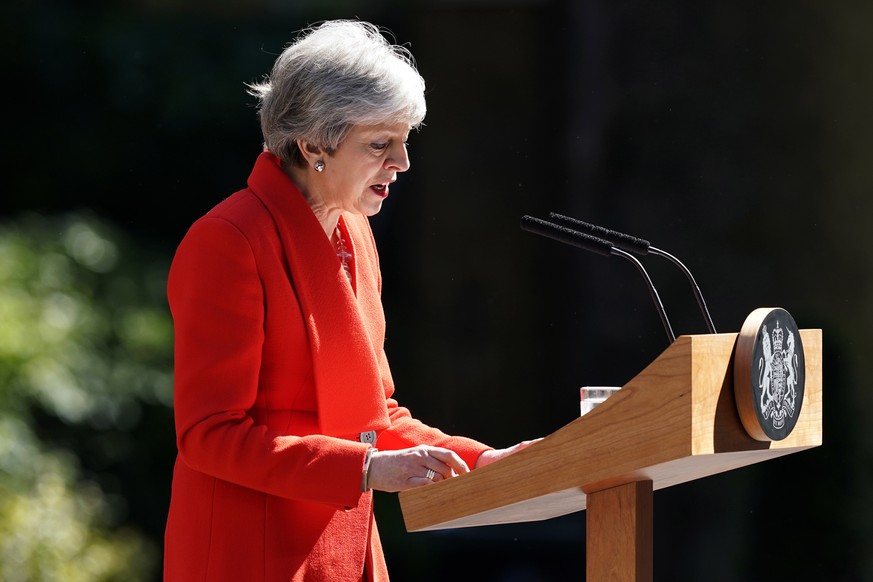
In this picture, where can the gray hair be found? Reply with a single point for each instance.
(335, 75)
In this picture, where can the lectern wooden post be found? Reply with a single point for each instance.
(676, 421)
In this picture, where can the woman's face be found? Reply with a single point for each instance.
(357, 175)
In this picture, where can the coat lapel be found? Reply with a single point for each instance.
(351, 396)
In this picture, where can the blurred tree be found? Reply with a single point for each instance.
(85, 351)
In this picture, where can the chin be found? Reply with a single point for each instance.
(371, 210)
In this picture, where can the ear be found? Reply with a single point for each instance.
(311, 153)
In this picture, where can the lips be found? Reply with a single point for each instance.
(380, 189)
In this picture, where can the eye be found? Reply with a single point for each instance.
(378, 146)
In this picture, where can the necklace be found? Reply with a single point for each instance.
(343, 254)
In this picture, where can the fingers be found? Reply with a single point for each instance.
(448, 465)
(438, 465)
(435, 464)
(405, 468)
(401, 469)
(493, 455)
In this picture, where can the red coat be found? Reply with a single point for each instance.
(279, 365)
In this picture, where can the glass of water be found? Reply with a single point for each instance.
(591, 396)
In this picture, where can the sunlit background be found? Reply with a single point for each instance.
(735, 135)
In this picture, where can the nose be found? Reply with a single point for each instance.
(398, 160)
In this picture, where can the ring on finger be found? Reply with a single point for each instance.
(430, 474)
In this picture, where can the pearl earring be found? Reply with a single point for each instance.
(319, 166)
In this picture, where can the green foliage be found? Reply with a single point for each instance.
(85, 344)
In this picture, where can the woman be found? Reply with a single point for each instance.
(285, 420)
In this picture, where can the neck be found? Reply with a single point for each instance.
(328, 217)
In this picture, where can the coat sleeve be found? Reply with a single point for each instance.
(406, 431)
(217, 302)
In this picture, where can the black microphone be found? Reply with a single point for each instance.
(600, 246)
(637, 246)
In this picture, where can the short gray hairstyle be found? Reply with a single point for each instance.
(335, 75)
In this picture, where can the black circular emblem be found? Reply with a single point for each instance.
(769, 374)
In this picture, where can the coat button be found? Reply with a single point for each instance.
(368, 437)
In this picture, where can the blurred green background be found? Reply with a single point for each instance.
(735, 135)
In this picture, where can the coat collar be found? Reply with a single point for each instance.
(351, 396)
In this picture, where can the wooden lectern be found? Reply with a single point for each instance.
(676, 421)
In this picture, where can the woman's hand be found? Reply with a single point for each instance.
(489, 457)
(407, 468)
